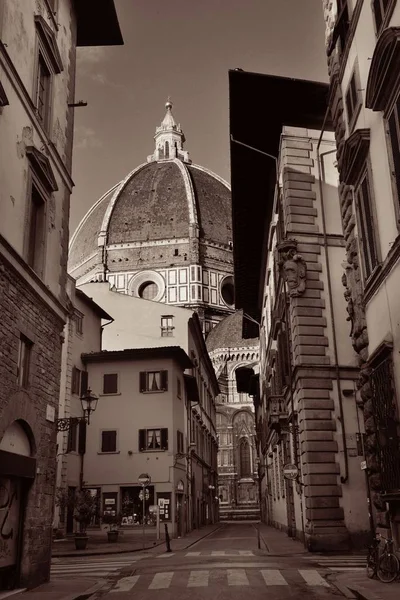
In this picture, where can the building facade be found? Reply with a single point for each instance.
(152, 417)
(238, 486)
(38, 43)
(362, 48)
(309, 425)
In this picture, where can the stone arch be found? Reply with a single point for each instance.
(20, 408)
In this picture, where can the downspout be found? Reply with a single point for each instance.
(344, 478)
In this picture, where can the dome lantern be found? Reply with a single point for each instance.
(169, 139)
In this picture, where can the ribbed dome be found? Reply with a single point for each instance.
(228, 334)
(157, 201)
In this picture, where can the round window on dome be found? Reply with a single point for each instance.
(148, 290)
(228, 291)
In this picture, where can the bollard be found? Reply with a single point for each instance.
(167, 540)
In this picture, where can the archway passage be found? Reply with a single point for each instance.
(17, 470)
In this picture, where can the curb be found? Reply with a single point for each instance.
(99, 553)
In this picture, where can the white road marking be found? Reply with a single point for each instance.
(166, 555)
(161, 581)
(273, 577)
(198, 579)
(125, 584)
(346, 568)
(237, 577)
(192, 553)
(218, 553)
(245, 553)
(312, 577)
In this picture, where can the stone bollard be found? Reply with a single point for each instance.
(167, 540)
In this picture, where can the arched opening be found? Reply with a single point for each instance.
(244, 458)
(148, 290)
(228, 291)
(166, 149)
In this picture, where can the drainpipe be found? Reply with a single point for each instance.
(344, 478)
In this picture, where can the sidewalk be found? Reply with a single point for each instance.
(353, 585)
(74, 589)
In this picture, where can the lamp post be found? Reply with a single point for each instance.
(144, 481)
(89, 405)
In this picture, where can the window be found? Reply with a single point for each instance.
(110, 383)
(366, 226)
(153, 381)
(179, 440)
(153, 439)
(24, 360)
(167, 327)
(43, 84)
(75, 381)
(353, 100)
(382, 9)
(244, 457)
(178, 387)
(78, 318)
(72, 436)
(393, 126)
(36, 230)
(109, 440)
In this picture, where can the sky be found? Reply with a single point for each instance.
(182, 49)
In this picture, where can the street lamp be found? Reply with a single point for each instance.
(89, 405)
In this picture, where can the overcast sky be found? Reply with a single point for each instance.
(181, 48)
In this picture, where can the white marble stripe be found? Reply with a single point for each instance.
(198, 579)
(192, 553)
(161, 581)
(237, 577)
(273, 577)
(125, 584)
(312, 577)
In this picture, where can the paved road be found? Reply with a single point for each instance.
(223, 566)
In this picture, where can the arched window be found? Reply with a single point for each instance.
(166, 149)
(244, 458)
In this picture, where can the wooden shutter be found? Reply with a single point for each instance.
(142, 438)
(142, 381)
(82, 438)
(72, 434)
(164, 380)
(164, 439)
(108, 441)
(110, 383)
(84, 382)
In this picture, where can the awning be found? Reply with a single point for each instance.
(192, 390)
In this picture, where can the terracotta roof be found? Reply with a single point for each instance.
(228, 334)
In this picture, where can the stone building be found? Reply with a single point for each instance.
(362, 42)
(289, 250)
(238, 487)
(38, 43)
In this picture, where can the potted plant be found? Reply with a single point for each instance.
(83, 505)
(113, 520)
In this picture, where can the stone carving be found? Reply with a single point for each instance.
(294, 267)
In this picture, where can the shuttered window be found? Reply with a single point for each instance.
(153, 381)
(109, 441)
(179, 442)
(110, 383)
(82, 437)
(353, 99)
(72, 436)
(366, 226)
(75, 381)
(153, 439)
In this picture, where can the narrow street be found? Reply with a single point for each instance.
(225, 565)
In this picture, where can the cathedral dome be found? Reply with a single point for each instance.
(228, 334)
(158, 214)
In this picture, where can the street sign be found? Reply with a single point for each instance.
(290, 471)
(146, 494)
(144, 479)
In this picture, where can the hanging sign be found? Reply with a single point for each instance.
(290, 471)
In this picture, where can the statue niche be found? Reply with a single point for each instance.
(293, 266)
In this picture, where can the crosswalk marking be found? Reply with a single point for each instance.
(245, 553)
(237, 577)
(192, 553)
(161, 581)
(273, 577)
(221, 553)
(95, 567)
(166, 554)
(198, 579)
(126, 584)
(312, 577)
(218, 553)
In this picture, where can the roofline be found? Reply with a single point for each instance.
(260, 106)
(97, 23)
(90, 302)
(174, 352)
